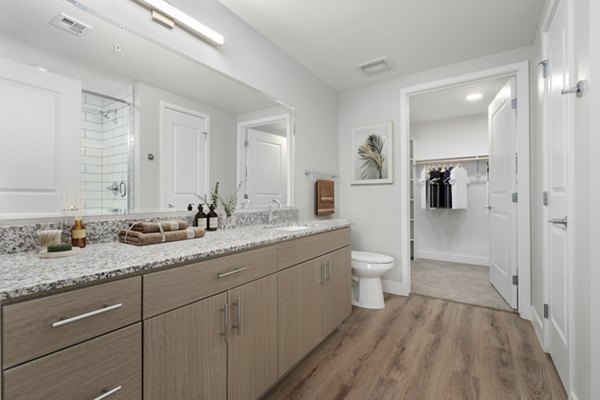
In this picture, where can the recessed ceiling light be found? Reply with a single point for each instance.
(474, 96)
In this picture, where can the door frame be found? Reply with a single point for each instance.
(241, 134)
(539, 322)
(163, 106)
(521, 72)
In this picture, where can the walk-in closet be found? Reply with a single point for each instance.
(451, 219)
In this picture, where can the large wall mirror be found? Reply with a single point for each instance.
(124, 123)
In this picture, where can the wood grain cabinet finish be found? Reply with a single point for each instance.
(37, 327)
(337, 292)
(314, 298)
(296, 251)
(252, 351)
(168, 289)
(185, 352)
(88, 370)
(300, 312)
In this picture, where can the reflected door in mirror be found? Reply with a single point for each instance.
(185, 157)
(267, 161)
(40, 138)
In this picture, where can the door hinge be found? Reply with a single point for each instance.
(545, 64)
(515, 280)
(205, 135)
(514, 103)
(545, 198)
(546, 311)
(515, 197)
(246, 143)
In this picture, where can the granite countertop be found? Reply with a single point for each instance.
(25, 273)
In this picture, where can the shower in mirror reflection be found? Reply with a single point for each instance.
(106, 151)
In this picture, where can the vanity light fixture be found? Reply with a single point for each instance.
(474, 97)
(181, 18)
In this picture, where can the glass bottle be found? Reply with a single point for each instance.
(78, 234)
(213, 219)
(200, 220)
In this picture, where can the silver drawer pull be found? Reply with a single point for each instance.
(235, 271)
(86, 315)
(108, 393)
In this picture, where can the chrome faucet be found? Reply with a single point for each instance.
(278, 203)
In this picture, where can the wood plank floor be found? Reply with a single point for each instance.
(421, 348)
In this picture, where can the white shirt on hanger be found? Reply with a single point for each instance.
(459, 181)
(423, 184)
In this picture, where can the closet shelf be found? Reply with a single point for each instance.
(481, 157)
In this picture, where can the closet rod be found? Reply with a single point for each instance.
(481, 157)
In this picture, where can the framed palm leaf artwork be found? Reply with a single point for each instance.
(372, 157)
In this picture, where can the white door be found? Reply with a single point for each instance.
(40, 138)
(557, 139)
(185, 158)
(502, 122)
(266, 163)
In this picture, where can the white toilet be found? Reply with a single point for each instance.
(367, 269)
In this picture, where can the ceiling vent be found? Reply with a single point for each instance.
(70, 24)
(375, 66)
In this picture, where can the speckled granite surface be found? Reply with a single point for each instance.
(25, 273)
(19, 238)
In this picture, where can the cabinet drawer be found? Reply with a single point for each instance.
(172, 288)
(37, 327)
(297, 251)
(110, 363)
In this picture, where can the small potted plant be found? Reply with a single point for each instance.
(229, 205)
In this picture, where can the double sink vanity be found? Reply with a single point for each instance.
(222, 317)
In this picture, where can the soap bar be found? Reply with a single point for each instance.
(55, 248)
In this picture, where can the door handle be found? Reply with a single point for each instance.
(225, 332)
(577, 89)
(559, 221)
(488, 207)
(238, 315)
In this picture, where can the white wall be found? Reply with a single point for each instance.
(366, 203)
(254, 60)
(446, 234)
(222, 143)
(451, 137)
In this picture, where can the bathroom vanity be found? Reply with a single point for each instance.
(223, 317)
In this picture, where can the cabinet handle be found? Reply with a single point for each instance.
(238, 315)
(232, 272)
(328, 270)
(86, 315)
(323, 273)
(225, 332)
(108, 392)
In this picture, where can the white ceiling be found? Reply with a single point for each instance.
(27, 37)
(452, 102)
(331, 37)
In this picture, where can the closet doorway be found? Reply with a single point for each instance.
(468, 189)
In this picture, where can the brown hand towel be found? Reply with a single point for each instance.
(325, 200)
(141, 239)
(167, 226)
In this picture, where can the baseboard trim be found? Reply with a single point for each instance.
(456, 258)
(393, 287)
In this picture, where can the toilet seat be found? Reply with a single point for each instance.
(371, 258)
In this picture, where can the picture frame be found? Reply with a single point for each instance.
(372, 154)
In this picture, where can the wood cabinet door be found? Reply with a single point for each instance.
(300, 312)
(185, 352)
(337, 294)
(252, 353)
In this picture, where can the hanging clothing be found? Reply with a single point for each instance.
(434, 188)
(459, 181)
(442, 192)
(422, 182)
(447, 188)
